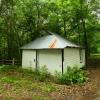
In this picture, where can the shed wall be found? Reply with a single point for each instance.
(52, 59)
(72, 57)
(28, 58)
(83, 55)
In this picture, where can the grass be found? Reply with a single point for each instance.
(19, 84)
(95, 56)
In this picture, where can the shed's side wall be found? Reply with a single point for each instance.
(51, 58)
(83, 52)
(72, 57)
(28, 58)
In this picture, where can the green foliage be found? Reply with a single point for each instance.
(17, 83)
(95, 56)
(72, 75)
(43, 73)
(8, 80)
(27, 18)
(48, 87)
(5, 68)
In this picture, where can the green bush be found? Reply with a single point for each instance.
(6, 68)
(43, 73)
(8, 80)
(72, 75)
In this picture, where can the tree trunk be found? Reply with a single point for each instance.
(64, 27)
(85, 33)
(85, 42)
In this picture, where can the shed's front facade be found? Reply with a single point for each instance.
(52, 51)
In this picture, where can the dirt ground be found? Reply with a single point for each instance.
(89, 91)
(20, 85)
(95, 77)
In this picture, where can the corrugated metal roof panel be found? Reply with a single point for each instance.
(53, 41)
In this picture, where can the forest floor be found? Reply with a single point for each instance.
(18, 84)
(95, 77)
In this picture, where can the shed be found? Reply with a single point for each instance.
(53, 51)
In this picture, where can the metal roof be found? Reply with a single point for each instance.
(52, 41)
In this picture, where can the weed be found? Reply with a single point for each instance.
(43, 73)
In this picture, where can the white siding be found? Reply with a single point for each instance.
(52, 59)
(72, 57)
(83, 62)
(28, 58)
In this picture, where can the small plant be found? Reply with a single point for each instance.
(45, 87)
(48, 88)
(72, 75)
(8, 80)
(6, 68)
(43, 73)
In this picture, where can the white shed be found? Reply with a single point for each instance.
(54, 52)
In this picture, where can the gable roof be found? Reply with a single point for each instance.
(52, 41)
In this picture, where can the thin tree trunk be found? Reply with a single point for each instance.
(38, 19)
(58, 27)
(85, 42)
(85, 34)
(65, 32)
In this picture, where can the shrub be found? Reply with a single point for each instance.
(43, 73)
(72, 75)
(6, 68)
(38, 75)
(8, 80)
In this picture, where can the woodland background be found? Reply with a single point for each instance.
(22, 21)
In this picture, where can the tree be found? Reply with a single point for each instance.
(22, 21)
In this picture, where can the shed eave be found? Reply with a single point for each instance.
(50, 48)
